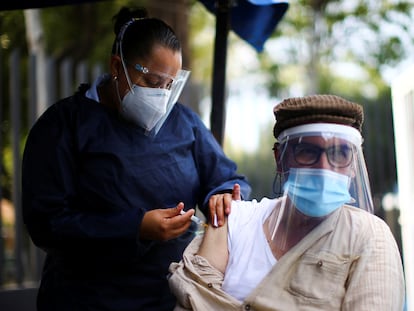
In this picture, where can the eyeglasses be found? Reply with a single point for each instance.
(155, 79)
(339, 156)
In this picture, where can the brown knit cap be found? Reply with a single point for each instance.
(316, 109)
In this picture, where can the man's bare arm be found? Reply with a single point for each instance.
(214, 246)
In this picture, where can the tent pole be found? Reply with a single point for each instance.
(218, 109)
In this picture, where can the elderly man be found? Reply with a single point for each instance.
(316, 247)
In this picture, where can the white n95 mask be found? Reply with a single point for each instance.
(145, 106)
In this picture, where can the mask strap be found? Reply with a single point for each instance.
(126, 73)
(117, 91)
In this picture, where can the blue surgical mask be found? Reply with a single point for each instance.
(317, 192)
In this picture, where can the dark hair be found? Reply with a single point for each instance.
(139, 33)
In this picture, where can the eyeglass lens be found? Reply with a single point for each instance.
(308, 154)
(155, 79)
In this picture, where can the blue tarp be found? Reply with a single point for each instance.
(253, 20)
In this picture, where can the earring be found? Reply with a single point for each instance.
(114, 78)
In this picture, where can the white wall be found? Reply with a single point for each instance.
(403, 113)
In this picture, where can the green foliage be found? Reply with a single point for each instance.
(91, 34)
(201, 33)
(12, 30)
(316, 34)
(258, 166)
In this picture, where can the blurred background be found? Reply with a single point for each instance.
(355, 49)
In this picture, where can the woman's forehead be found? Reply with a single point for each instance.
(163, 59)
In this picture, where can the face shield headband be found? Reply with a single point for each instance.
(346, 181)
(322, 129)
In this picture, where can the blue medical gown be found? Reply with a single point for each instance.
(88, 179)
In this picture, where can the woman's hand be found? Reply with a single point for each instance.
(220, 205)
(165, 224)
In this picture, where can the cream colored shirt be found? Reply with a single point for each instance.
(350, 262)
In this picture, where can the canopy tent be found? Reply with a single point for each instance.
(252, 20)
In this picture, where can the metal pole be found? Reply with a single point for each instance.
(218, 109)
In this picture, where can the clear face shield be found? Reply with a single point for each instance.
(157, 80)
(322, 168)
(172, 86)
(176, 88)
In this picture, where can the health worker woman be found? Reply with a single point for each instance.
(108, 171)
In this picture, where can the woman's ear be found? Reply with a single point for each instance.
(115, 65)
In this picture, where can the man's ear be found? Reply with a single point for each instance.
(276, 154)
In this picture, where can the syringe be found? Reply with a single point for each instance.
(197, 220)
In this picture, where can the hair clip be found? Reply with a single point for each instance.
(141, 68)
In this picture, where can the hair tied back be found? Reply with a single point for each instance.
(122, 32)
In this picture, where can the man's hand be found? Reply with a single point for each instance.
(165, 224)
(236, 196)
(220, 205)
